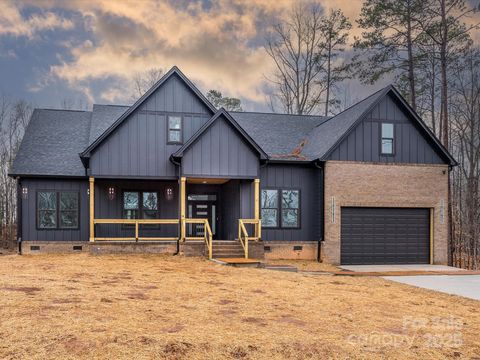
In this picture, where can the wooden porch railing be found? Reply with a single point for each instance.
(137, 223)
(243, 236)
(207, 234)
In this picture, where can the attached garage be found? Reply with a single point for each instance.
(385, 235)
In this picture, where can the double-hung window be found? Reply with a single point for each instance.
(57, 210)
(387, 139)
(140, 205)
(290, 208)
(280, 208)
(174, 129)
(270, 208)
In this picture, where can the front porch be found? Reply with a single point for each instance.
(193, 215)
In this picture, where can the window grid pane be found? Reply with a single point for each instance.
(130, 200)
(68, 217)
(269, 201)
(47, 209)
(290, 206)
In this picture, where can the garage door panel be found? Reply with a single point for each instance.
(384, 235)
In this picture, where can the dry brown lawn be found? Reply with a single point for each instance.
(146, 307)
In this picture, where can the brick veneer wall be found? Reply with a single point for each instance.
(286, 250)
(385, 185)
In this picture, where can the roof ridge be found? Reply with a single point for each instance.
(272, 113)
(357, 103)
(112, 105)
(53, 109)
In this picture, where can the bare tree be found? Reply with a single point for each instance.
(293, 46)
(465, 108)
(14, 117)
(143, 81)
(447, 30)
(334, 30)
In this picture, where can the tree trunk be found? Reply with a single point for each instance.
(411, 75)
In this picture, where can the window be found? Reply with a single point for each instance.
(140, 205)
(130, 205)
(269, 208)
(150, 205)
(68, 210)
(57, 210)
(290, 208)
(387, 139)
(284, 213)
(47, 209)
(174, 129)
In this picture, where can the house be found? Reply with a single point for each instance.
(173, 174)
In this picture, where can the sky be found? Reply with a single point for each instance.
(88, 51)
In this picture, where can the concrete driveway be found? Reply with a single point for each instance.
(390, 268)
(461, 285)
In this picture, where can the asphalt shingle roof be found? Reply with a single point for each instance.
(278, 134)
(53, 139)
(103, 116)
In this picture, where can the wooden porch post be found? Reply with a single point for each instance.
(92, 208)
(183, 182)
(257, 199)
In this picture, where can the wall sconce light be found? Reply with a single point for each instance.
(111, 193)
(168, 193)
(24, 192)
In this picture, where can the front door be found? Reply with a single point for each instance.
(202, 206)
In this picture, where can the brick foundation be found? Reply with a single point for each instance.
(164, 247)
(53, 247)
(285, 250)
(381, 185)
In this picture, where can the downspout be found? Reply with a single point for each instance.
(19, 215)
(318, 165)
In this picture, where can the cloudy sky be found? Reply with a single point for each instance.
(89, 51)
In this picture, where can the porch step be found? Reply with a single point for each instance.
(227, 249)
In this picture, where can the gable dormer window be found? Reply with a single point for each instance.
(387, 139)
(174, 129)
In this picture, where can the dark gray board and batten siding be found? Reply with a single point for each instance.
(30, 232)
(363, 143)
(138, 147)
(107, 208)
(220, 151)
(304, 178)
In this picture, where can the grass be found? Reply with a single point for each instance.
(145, 307)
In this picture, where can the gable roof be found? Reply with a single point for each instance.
(326, 136)
(51, 144)
(222, 112)
(173, 71)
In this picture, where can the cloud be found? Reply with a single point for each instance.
(13, 23)
(212, 45)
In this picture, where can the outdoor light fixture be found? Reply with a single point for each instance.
(168, 193)
(24, 192)
(111, 193)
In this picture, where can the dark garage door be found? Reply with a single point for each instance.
(385, 236)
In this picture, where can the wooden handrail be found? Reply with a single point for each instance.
(243, 236)
(137, 223)
(207, 234)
